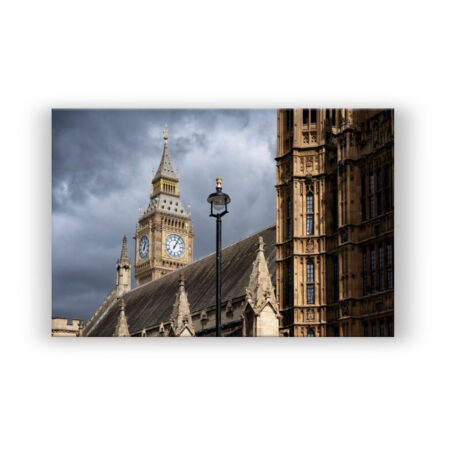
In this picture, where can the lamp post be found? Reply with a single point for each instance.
(219, 201)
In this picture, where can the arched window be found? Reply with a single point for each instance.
(310, 300)
(311, 332)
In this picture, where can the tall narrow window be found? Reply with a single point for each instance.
(309, 224)
(390, 327)
(336, 278)
(313, 115)
(364, 272)
(310, 333)
(309, 202)
(382, 327)
(389, 261)
(374, 328)
(289, 218)
(333, 117)
(309, 213)
(381, 268)
(379, 192)
(387, 188)
(373, 273)
(288, 293)
(335, 203)
(305, 116)
(310, 300)
(371, 196)
(365, 329)
(289, 119)
(363, 197)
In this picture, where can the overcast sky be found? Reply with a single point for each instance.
(102, 170)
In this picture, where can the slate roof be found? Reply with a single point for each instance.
(165, 169)
(152, 303)
(167, 204)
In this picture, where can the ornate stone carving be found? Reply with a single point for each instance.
(122, 325)
(309, 246)
(181, 319)
(229, 309)
(309, 164)
(261, 313)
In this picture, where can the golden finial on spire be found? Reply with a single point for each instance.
(166, 132)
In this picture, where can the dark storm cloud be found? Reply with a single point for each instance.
(102, 170)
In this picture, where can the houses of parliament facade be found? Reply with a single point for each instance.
(325, 269)
(335, 222)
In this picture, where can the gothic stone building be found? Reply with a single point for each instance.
(335, 222)
(175, 296)
(329, 257)
(182, 302)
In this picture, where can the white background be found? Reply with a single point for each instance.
(308, 393)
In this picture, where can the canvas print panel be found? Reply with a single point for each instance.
(223, 223)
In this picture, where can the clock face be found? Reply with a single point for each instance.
(143, 247)
(175, 246)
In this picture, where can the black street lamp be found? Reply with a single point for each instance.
(219, 201)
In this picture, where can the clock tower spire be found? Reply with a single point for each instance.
(164, 234)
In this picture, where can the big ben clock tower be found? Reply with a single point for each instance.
(164, 234)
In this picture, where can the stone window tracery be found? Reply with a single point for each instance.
(381, 268)
(310, 297)
(309, 213)
(371, 196)
(373, 273)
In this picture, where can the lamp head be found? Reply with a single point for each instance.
(219, 200)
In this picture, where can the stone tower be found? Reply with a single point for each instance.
(164, 234)
(335, 225)
(123, 269)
